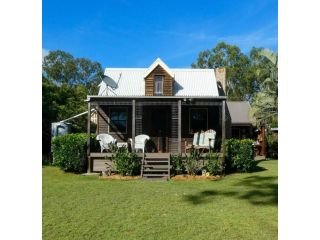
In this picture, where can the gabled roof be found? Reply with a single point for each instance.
(156, 63)
(239, 112)
(187, 82)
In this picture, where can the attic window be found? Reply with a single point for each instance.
(158, 85)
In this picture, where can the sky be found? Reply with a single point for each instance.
(124, 33)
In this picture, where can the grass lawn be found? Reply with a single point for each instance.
(240, 206)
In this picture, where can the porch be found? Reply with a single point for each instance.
(169, 121)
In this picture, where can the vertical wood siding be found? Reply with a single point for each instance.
(167, 82)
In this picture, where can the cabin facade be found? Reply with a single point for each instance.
(167, 104)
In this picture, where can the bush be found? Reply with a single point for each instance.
(214, 165)
(241, 154)
(70, 151)
(192, 162)
(126, 163)
(272, 146)
(177, 164)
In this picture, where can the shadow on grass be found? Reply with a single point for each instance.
(257, 190)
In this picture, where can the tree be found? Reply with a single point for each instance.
(241, 81)
(66, 82)
(265, 102)
(60, 67)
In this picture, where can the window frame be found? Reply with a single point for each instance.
(190, 109)
(109, 119)
(154, 88)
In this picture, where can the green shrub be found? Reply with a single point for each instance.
(177, 164)
(241, 154)
(272, 146)
(214, 166)
(192, 162)
(126, 163)
(69, 151)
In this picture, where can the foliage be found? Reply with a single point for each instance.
(66, 82)
(214, 165)
(241, 154)
(60, 68)
(126, 163)
(265, 102)
(192, 162)
(241, 80)
(272, 146)
(178, 166)
(69, 152)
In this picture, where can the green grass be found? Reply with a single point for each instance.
(240, 206)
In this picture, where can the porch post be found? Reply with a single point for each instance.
(88, 137)
(179, 126)
(223, 124)
(133, 122)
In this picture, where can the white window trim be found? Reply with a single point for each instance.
(154, 90)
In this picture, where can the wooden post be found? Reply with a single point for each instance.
(223, 125)
(179, 126)
(88, 138)
(133, 122)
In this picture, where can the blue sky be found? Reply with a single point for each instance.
(123, 33)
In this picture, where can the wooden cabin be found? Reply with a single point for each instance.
(168, 104)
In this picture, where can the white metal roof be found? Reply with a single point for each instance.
(187, 82)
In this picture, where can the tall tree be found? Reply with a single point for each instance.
(265, 102)
(66, 82)
(240, 75)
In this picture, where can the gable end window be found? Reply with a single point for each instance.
(198, 119)
(158, 85)
(118, 120)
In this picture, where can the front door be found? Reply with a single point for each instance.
(157, 123)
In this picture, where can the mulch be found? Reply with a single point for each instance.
(191, 177)
(119, 177)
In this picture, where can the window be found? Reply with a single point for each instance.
(198, 118)
(158, 85)
(118, 120)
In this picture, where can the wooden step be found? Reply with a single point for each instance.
(155, 175)
(155, 170)
(156, 166)
(156, 161)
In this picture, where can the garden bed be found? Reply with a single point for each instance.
(186, 177)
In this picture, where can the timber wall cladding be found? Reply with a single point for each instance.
(103, 119)
(167, 82)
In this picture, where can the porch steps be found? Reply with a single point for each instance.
(156, 166)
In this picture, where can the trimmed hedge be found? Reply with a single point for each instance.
(240, 154)
(70, 152)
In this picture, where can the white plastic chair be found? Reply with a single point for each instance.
(207, 139)
(140, 142)
(104, 140)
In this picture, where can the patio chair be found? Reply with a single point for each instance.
(207, 142)
(104, 140)
(202, 141)
(140, 142)
(195, 142)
